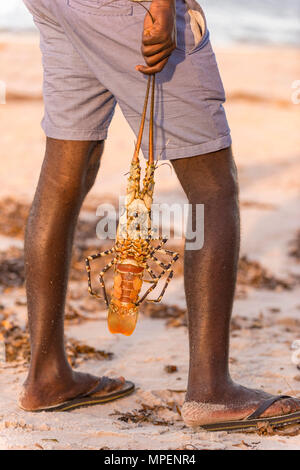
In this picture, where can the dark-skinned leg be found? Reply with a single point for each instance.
(68, 173)
(210, 277)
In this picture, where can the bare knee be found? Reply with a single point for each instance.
(70, 168)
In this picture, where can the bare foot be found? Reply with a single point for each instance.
(38, 395)
(234, 403)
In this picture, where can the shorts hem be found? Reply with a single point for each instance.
(73, 134)
(194, 150)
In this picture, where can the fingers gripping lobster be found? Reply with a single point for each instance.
(134, 246)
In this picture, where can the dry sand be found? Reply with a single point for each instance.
(265, 127)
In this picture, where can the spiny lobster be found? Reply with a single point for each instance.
(134, 245)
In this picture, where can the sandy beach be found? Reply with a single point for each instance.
(265, 128)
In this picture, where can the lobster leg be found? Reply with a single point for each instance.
(158, 247)
(174, 255)
(101, 279)
(171, 273)
(167, 252)
(166, 269)
(152, 274)
(88, 269)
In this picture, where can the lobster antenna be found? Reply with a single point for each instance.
(151, 150)
(135, 158)
(136, 1)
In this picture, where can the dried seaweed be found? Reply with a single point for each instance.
(73, 315)
(17, 346)
(147, 414)
(12, 273)
(78, 352)
(13, 217)
(174, 315)
(266, 429)
(251, 273)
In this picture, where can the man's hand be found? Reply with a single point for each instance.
(159, 38)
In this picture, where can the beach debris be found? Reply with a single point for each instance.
(170, 369)
(265, 429)
(246, 445)
(175, 316)
(257, 205)
(251, 273)
(258, 322)
(75, 314)
(38, 446)
(13, 217)
(274, 310)
(50, 440)
(141, 416)
(290, 324)
(295, 247)
(146, 414)
(12, 273)
(17, 347)
(78, 352)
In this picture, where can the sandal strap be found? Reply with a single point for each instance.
(265, 405)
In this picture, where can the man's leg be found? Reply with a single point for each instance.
(210, 277)
(68, 173)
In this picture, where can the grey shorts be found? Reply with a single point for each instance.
(90, 49)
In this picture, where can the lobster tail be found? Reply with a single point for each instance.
(123, 311)
(122, 318)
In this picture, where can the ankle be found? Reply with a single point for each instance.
(52, 372)
(208, 391)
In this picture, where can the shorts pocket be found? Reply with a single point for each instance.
(102, 7)
(192, 32)
(198, 26)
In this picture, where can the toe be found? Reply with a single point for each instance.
(283, 407)
(110, 385)
(294, 404)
